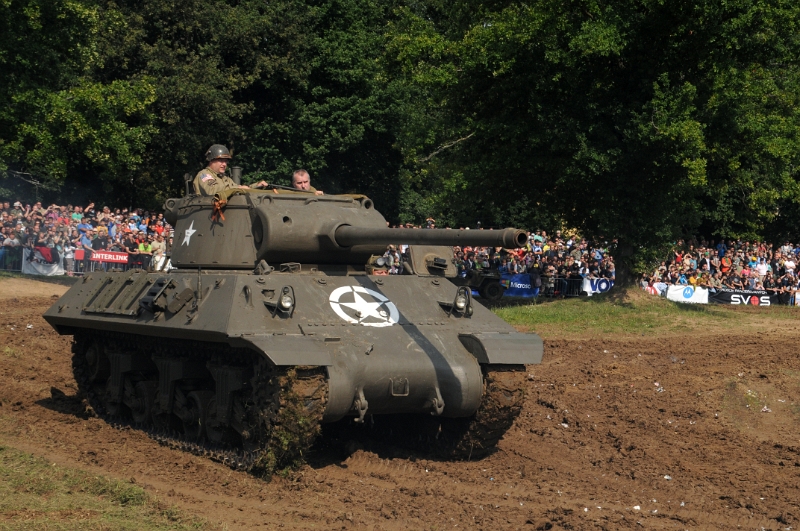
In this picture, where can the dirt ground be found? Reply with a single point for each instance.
(695, 432)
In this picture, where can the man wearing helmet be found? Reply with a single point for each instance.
(212, 179)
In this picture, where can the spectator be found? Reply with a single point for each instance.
(789, 264)
(145, 251)
(68, 252)
(159, 248)
(132, 247)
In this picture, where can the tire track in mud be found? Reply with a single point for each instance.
(728, 462)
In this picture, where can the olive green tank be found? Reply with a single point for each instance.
(278, 317)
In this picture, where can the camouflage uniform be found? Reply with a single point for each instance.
(209, 183)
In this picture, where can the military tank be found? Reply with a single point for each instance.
(486, 281)
(277, 318)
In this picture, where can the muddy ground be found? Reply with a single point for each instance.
(699, 432)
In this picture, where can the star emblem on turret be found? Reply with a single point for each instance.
(187, 236)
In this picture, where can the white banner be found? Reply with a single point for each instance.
(596, 285)
(687, 294)
(31, 267)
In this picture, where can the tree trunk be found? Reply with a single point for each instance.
(623, 258)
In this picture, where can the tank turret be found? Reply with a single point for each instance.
(300, 228)
(272, 324)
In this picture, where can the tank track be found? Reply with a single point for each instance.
(278, 416)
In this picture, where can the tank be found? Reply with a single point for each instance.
(277, 318)
(486, 281)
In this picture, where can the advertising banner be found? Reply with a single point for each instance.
(103, 256)
(109, 256)
(744, 296)
(597, 285)
(687, 294)
(518, 286)
(33, 266)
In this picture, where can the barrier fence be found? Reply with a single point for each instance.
(11, 258)
(40, 261)
(533, 285)
(749, 297)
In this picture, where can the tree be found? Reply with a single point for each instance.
(57, 117)
(337, 114)
(638, 119)
(153, 84)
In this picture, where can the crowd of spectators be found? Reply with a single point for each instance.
(734, 264)
(54, 234)
(557, 256)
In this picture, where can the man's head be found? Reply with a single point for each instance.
(301, 180)
(218, 157)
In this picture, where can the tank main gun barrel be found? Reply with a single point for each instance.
(347, 236)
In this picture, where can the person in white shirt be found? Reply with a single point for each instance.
(68, 252)
(10, 240)
(789, 264)
(761, 269)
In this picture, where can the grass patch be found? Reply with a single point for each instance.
(632, 312)
(36, 494)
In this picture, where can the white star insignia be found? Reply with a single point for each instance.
(378, 313)
(365, 309)
(188, 234)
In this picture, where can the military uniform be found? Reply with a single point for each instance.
(209, 183)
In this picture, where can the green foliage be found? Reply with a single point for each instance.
(643, 120)
(58, 114)
(638, 119)
(131, 93)
(337, 114)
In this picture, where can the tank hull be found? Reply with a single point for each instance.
(390, 340)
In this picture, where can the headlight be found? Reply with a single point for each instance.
(461, 302)
(286, 302)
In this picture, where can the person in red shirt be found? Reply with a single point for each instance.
(725, 264)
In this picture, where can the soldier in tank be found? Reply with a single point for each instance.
(212, 179)
(301, 180)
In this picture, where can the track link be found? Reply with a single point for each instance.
(279, 415)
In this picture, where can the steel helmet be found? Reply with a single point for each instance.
(217, 151)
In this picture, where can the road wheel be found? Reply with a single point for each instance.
(492, 291)
(194, 422)
(142, 408)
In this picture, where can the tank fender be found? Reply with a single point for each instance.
(512, 348)
(286, 349)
